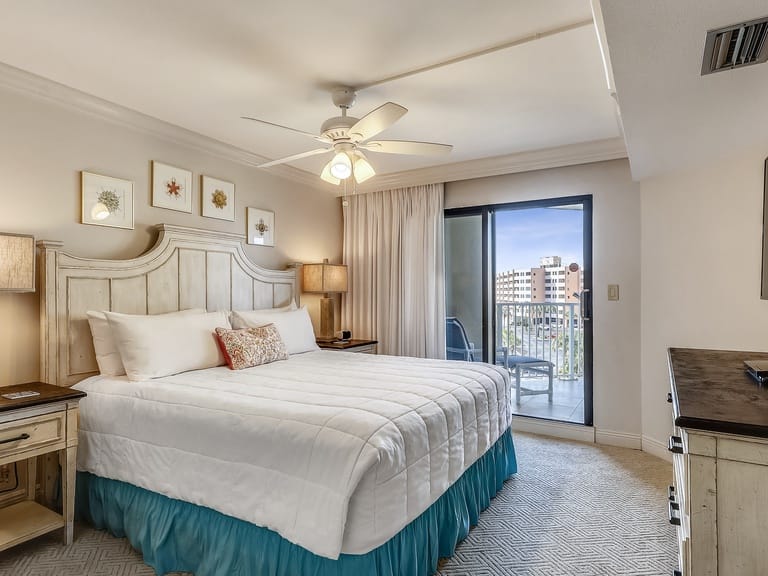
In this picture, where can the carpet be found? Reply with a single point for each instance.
(572, 510)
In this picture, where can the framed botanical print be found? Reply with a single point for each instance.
(106, 201)
(218, 198)
(171, 187)
(261, 227)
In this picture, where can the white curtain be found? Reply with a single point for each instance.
(393, 246)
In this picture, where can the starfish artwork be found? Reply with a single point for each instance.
(173, 188)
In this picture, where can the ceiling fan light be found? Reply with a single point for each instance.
(341, 166)
(327, 176)
(363, 170)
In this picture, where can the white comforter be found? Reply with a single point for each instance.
(335, 451)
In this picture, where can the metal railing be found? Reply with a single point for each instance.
(548, 331)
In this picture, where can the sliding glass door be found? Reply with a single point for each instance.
(518, 286)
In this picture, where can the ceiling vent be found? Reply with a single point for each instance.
(736, 46)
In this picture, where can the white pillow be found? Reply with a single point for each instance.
(295, 327)
(165, 344)
(288, 308)
(107, 356)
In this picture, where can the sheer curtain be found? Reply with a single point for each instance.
(393, 246)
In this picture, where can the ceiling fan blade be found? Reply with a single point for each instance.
(375, 121)
(295, 157)
(361, 168)
(326, 174)
(407, 147)
(313, 136)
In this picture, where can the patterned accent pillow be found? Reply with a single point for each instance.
(251, 346)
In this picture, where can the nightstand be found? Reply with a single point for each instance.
(30, 427)
(361, 346)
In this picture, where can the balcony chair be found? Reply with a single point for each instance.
(458, 347)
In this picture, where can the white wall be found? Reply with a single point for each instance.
(616, 257)
(701, 262)
(43, 148)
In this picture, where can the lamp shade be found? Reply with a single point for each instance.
(17, 263)
(324, 278)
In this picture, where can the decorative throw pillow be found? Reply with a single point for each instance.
(251, 346)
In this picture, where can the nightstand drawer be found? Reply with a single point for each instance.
(32, 433)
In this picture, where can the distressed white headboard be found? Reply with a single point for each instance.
(187, 268)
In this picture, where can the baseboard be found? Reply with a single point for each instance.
(543, 427)
(658, 449)
(622, 439)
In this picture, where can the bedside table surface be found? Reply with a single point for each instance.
(346, 345)
(48, 393)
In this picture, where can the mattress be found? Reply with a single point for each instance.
(335, 451)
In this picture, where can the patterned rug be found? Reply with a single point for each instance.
(572, 510)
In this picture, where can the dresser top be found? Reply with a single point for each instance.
(711, 391)
(46, 393)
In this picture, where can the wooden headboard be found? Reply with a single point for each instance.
(186, 268)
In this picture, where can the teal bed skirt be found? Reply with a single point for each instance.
(177, 536)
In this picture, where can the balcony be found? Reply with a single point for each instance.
(551, 332)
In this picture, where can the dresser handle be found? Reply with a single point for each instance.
(671, 493)
(24, 436)
(675, 444)
(674, 513)
(669, 397)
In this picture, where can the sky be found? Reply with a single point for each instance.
(523, 236)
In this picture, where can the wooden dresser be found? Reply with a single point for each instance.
(720, 451)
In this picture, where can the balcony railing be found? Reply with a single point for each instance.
(549, 331)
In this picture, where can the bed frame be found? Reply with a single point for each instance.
(186, 268)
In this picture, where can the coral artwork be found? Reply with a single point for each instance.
(110, 199)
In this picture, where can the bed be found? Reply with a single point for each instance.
(328, 463)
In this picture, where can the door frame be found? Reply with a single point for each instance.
(488, 214)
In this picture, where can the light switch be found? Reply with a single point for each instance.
(613, 291)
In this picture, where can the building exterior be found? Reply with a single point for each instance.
(549, 282)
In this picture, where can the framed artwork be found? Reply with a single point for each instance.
(261, 227)
(218, 198)
(106, 201)
(171, 187)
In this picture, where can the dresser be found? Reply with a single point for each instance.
(719, 501)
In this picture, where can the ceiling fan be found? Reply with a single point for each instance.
(349, 137)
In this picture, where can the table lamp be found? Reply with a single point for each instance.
(17, 263)
(325, 279)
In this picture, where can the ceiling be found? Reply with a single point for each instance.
(673, 117)
(201, 65)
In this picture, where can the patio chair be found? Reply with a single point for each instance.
(458, 347)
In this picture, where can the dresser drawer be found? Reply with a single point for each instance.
(19, 436)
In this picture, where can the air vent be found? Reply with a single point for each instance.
(736, 46)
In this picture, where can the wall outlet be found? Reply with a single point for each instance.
(613, 291)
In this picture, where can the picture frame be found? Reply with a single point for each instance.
(171, 187)
(106, 201)
(260, 227)
(217, 198)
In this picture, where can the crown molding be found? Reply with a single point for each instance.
(35, 86)
(568, 155)
(32, 85)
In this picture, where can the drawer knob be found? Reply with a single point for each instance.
(671, 493)
(669, 397)
(24, 436)
(675, 445)
(674, 514)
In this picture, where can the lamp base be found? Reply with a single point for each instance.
(326, 321)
